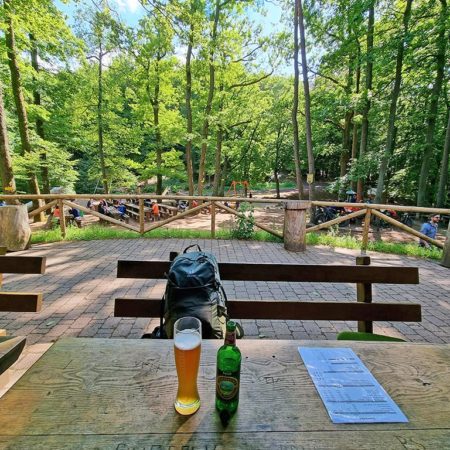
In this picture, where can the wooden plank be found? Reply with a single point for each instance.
(42, 208)
(260, 440)
(62, 221)
(20, 302)
(100, 216)
(339, 219)
(257, 224)
(282, 272)
(10, 349)
(409, 230)
(364, 294)
(22, 264)
(119, 393)
(283, 310)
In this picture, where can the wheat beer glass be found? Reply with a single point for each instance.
(187, 344)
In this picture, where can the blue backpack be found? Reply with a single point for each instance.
(194, 289)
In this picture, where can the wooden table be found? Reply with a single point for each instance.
(118, 394)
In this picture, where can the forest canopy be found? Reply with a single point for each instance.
(198, 93)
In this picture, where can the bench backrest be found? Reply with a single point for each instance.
(363, 311)
(21, 301)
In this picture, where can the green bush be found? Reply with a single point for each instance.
(244, 227)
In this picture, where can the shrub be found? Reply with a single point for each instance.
(243, 227)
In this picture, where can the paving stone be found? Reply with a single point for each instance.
(79, 293)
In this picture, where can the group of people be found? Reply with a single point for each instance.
(73, 215)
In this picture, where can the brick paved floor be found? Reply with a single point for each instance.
(80, 285)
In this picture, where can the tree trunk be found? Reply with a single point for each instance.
(368, 88)
(346, 144)
(100, 121)
(39, 122)
(6, 169)
(309, 144)
(433, 108)
(443, 176)
(205, 128)
(19, 100)
(298, 174)
(189, 165)
(389, 148)
(155, 105)
(218, 156)
(354, 148)
(277, 163)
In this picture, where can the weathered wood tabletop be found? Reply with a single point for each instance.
(113, 393)
(10, 349)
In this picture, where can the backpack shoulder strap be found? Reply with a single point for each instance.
(191, 246)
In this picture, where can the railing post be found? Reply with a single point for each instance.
(213, 220)
(62, 218)
(295, 225)
(141, 216)
(365, 237)
(446, 254)
(364, 295)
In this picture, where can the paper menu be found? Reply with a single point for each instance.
(350, 393)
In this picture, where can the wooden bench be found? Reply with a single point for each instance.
(12, 346)
(363, 311)
(21, 301)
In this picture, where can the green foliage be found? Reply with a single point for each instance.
(243, 226)
(143, 88)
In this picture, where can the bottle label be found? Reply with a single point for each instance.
(227, 387)
(230, 338)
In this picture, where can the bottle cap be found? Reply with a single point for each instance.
(231, 325)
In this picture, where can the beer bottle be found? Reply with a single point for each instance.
(228, 375)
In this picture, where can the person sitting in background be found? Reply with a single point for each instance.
(122, 209)
(429, 229)
(155, 211)
(103, 207)
(76, 216)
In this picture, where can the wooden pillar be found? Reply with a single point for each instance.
(213, 220)
(364, 295)
(141, 216)
(62, 218)
(295, 225)
(446, 256)
(365, 237)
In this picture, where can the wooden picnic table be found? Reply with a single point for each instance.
(115, 393)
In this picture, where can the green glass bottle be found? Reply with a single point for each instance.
(228, 375)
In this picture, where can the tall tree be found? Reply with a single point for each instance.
(6, 169)
(295, 102)
(442, 40)
(367, 91)
(39, 122)
(393, 108)
(443, 176)
(188, 97)
(16, 85)
(211, 89)
(308, 130)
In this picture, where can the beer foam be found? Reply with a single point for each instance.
(187, 339)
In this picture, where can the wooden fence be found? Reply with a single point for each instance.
(215, 203)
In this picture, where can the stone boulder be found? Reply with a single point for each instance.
(15, 231)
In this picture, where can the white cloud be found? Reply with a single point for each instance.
(128, 5)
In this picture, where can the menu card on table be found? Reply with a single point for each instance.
(348, 390)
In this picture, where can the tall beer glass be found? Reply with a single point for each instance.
(187, 343)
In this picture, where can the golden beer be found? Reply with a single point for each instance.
(187, 345)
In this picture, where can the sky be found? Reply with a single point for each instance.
(131, 11)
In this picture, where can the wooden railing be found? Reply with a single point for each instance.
(367, 209)
(215, 203)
